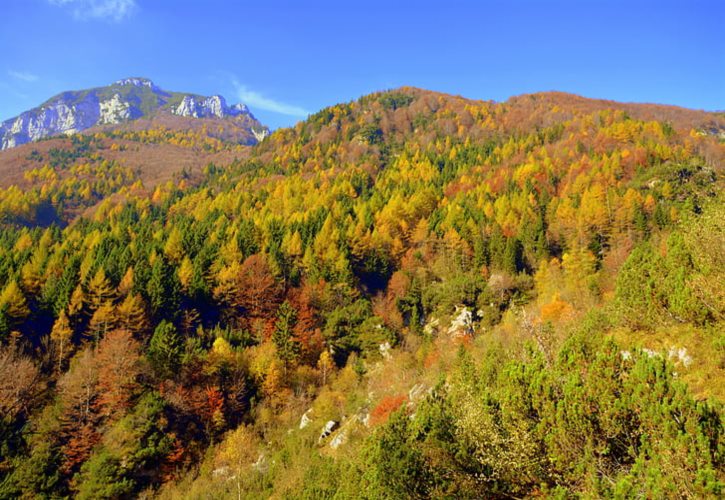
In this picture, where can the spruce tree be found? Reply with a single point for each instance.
(287, 347)
(164, 352)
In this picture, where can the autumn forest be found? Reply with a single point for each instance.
(410, 295)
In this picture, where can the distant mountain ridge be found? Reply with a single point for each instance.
(123, 101)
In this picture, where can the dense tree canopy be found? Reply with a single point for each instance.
(550, 232)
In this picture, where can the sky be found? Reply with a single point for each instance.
(286, 59)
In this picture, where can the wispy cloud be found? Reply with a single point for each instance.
(114, 10)
(23, 75)
(257, 100)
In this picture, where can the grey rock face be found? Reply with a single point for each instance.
(59, 118)
(114, 110)
(209, 107)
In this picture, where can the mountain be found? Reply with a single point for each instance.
(409, 295)
(121, 102)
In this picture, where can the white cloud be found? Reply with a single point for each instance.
(115, 10)
(257, 100)
(23, 75)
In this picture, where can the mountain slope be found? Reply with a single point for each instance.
(410, 295)
(123, 101)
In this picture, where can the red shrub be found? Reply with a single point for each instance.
(387, 405)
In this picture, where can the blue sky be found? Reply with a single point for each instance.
(287, 58)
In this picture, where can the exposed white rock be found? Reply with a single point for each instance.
(239, 109)
(385, 350)
(216, 106)
(222, 471)
(650, 353)
(462, 323)
(261, 465)
(187, 107)
(431, 328)
(114, 110)
(339, 439)
(136, 82)
(416, 392)
(677, 355)
(55, 118)
(680, 355)
(305, 420)
(59, 117)
(17, 125)
(330, 426)
(259, 134)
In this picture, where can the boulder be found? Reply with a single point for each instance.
(330, 426)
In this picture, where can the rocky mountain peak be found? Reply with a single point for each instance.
(136, 82)
(124, 100)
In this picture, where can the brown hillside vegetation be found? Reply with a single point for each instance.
(155, 163)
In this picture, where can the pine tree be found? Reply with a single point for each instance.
(5, 325)
(639, 292)
(65, 285)
(513, 260)
(163, 290)
(395, 465)
(287, 347)
(164, 351)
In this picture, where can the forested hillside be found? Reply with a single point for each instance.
(411, 295)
